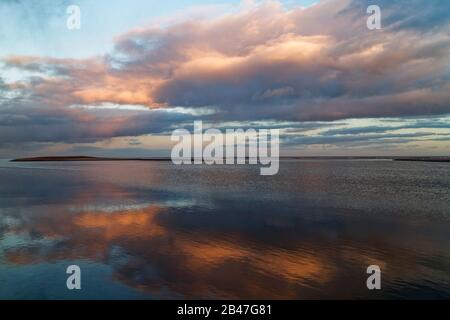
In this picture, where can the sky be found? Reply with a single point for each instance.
(137, 70)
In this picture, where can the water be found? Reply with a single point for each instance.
(152, 230)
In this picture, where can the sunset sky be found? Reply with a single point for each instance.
(137, 70)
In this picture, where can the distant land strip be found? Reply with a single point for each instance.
(86, 158)
(424, 159)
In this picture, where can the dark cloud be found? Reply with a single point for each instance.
(73, 125)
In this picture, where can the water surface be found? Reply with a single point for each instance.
(152, 230)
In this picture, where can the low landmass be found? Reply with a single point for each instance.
(424, 159)
(86, 158)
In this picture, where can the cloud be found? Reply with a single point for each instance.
(421, 124)
(81, 126)
(260, 63)
(428, 15)
(323, 139)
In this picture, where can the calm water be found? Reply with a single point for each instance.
(151, 230)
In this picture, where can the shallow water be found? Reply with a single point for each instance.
(152, 230)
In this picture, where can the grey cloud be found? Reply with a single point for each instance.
(421, 124)
(71, 126)
(306, 140)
